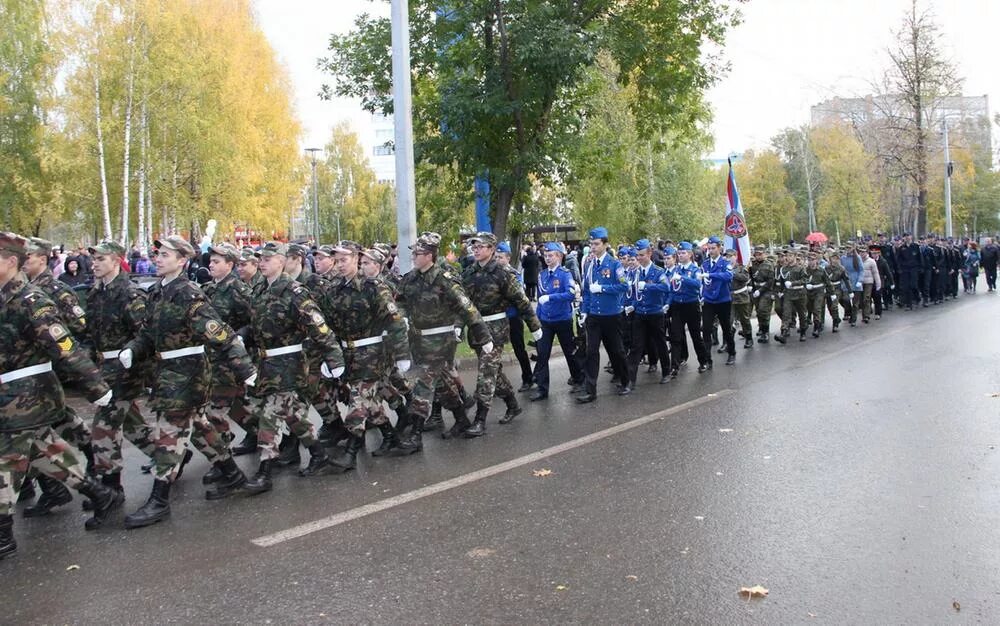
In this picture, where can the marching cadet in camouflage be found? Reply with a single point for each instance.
(838, 293)
(793, 277)
(116, 310)
(230, 297)
(493, 289)
(179, 324)
(366, 321)
(817, 286)
(34, 341)
(742, 303)
(283, 316)
(72, 428)
(762, 277)
(432, 300)
(246, 267)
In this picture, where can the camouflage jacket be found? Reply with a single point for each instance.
(433, 299)
(257, 284)
(179, 316)
(285, 314)
(115, 313)
(32, 333)
(231, 299)
(762, 275)
(838, 278)
(796, 275)
(364, 308)
(493, 289)
(72, 314)
(818, 279)
(741, 287)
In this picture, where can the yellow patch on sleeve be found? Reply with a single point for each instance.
(65, 345)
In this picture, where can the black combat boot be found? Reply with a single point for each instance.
(413, 443)
(332, 433)
(88, 453)
(389, 440)
(54, 494)
(113, 481)
(146, 468)
(104, 497)
(434, 421)
(748, 342)
(261, 481)
(320, 463)
(288, 452)
(27, 491)
(816, 329)
(836, 326)
(765, 333)
(348, 460)
(513, 410)
(780, 338)
(731, 359)
(156, 509)
(467, 401)
(461, 424)
(7, 544)
(802, 335)
(248, 445)
(403, 420)
(212, 475)
(231, 479)
(478, 428)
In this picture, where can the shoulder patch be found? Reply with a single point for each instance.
(78, 310)
(317, 318)
(58, 331)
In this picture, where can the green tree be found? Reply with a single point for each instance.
(767, 203)
(848, 197)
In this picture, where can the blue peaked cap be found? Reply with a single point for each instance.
(599, 232)
(503, 246)
(685, 245)
(555, 246)
(643, 244)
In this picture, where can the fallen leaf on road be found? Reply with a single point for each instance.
(541, 472)
(561, 587)
(72, 568)
(955, 605)
(811, 614)
(753, 592)
(478, 553)
(718, 473)
(725, 430)
(699, 517)
(767, 458)
(631, 577)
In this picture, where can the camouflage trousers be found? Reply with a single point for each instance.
(364, 406)
(322, 394)
(816, 305)
(764, 305)
(113, 424)
(491, 380)
(73, 429)
(792, 308)
(430, 377)
(40, 449)
(833, 306)
(271, 410)
(174, 429)
(226, 405)
(394, 389)
(742, 312)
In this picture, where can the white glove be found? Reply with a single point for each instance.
(666, 308)
(788, 284)
(250, 382)
(857, 286)
(403, 365)
(536, 335)
(809, 287)
(583, 318)
(239, 340)
(629, 310)
(406, 323)
(756, 293)
(104, 400)
(458, 334)
(543, 299)
(641, 285)
(125, 357)
(833, 297)
(700, 275)
(326, 372)
(488, 347)
(595, 288)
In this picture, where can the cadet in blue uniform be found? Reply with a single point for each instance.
(717, 275)
(650, 291)
(556, 292)
(685, 311)
(515, 322)
(603, 291)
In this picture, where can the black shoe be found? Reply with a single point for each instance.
(866, 320)
(587, 397)
(854, 324)
(321, 464)
(666, 378)
(478, 428)
(731, 360)
(390, 440)
(748, 344)
(212, 475)
(836, 327)
(815, 334)
(332, 433)
(460, 425)
(705, 367)
(156, 509)
(673, 373)
(231, 480)
(651, 369)
(247, 446)
(780, 339)
(104, 497)
(626, 389)
(525, 387)
(802, 336)
(261, 481)
(8, 547)
(513, 410)
(114, 481)
(537, 395)
(54, 494)
(413, 443)
(288, 452)
(146, 468)
(763, 338)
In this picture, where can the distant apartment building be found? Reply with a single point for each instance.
(378, 146)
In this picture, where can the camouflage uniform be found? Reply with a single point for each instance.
(433, 299)
(837, 294)
(817, 286)
(793, 280)
(762, 292)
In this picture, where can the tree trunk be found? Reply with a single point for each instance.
(141, 236)
(105, 206)
(501, 210)
(127, 141)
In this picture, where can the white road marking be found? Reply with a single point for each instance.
(459, 481)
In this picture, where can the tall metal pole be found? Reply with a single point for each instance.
(406, 214)
(315, 211)
(947, 182)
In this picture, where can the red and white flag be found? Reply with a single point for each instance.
(737, 235)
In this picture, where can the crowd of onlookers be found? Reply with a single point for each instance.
(75, 266)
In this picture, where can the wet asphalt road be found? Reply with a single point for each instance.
(854, 476)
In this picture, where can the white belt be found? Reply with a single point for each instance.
(360, 343)
(176, 354)
(110, 355)
(24, 372)
(282, 350)
(816, 286)
(797, 287)
(495, 317)
(439, 330)
(741, 290)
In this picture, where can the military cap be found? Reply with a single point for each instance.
(384, 248)
(628, 251)
(643, 244)
(346, 246)
(714, 239)
(504, 247)
(375, 255)
(274, 247)
(487, 239)
(111, 247)
(730, 252)
(427, 242)
(598, 232)
(324, 250)
(37, 245)
(685, 245)
(670, 251)
(227, 251)
(555, 246)
(760, 248)
(12, 242)
(297, 249)
(175, 243)
(249, 255)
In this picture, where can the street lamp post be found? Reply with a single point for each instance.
(947, 182)
(406, 217)
(315, 207)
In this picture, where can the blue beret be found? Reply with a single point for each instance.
(503, 246)
(555, 246)
(685, 245)
(642, 244)
(714, 239)
(670, 250)
(628, 251)
(599, 232)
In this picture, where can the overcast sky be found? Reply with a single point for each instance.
(786, 56)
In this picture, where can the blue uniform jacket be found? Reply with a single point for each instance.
(611, 276)
(685, 286)
(720, 277)
(630, 293)
(655, 296)
(560, 287)
(853, 276)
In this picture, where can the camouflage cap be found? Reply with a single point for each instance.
(274, 247)
(375, 255)
(297, 249)
(487, 239)
(324, 250)
(248, 254)
(384, 248)
(760, 248)
(111, 247)
(37, 245)
(176, 243)
(427, 242)
(12, 242)
(346, 246)
(227, 251)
